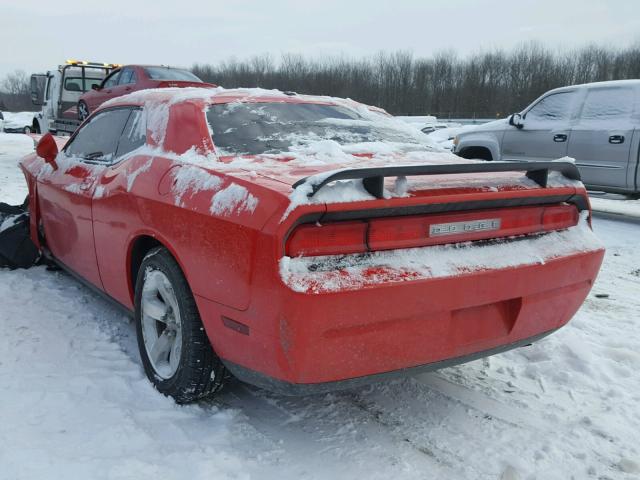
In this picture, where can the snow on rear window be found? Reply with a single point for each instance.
(257, 128)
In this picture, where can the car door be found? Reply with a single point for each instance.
(105, 92)
(602, 136)
(545, 129)
(115, 208)
(65, 192)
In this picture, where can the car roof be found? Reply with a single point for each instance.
(214, 95)
(145, 65)
(605, 84)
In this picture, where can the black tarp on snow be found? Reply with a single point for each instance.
(16, 248)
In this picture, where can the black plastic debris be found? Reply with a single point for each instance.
(16, 248)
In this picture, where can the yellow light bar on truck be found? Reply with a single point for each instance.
(84, 62)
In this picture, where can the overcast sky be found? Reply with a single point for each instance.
(38, 34)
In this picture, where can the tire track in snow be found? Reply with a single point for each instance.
(323, 428)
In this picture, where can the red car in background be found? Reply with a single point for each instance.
(131, 78)
(305, 244)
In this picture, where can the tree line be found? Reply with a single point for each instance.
(487, 84)
(14, 92)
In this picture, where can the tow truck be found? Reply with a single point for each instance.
(57, 93)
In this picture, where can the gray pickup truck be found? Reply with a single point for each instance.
(598, 124)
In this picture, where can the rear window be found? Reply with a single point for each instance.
(254, 128)
(74, 84)
(165, 73)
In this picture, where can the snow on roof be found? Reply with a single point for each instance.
(177, 95)
(606, 84)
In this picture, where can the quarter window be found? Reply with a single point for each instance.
(133, 135)
(552, 108)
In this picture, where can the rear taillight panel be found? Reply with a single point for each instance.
(329, 239)
(426, 230)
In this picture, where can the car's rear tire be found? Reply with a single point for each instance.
(175, 350)
(83, 110)
(26, 130)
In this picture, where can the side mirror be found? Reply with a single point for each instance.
(47, 149)
(95, 86)
(516, 120)
(37, 88)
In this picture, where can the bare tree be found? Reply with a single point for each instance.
(487, 84)
(15, 91)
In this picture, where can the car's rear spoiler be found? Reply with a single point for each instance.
(373, 178)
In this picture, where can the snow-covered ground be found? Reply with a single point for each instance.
(75, 404)
(616, 204)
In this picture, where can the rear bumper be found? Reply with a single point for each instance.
(298, 389)
(298, 342)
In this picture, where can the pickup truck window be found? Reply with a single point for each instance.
(552, 108)
(608, 103)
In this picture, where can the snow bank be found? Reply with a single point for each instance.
(629, 208)
(18, 120)
(349, 272)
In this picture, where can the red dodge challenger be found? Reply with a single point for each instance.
(305, 244)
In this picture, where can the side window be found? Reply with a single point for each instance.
(125, 76)
(112, 80)
(552, 108)
(97, 141)
(608, 104)
(134, 133)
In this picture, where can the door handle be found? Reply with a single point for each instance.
(559, 137)
(128, 88)
(617, 139)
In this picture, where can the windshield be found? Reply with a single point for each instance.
(165, 73)
(254, 128)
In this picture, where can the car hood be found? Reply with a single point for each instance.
(500, 124)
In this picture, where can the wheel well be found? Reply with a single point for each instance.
(141, 246)
(481, 153)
